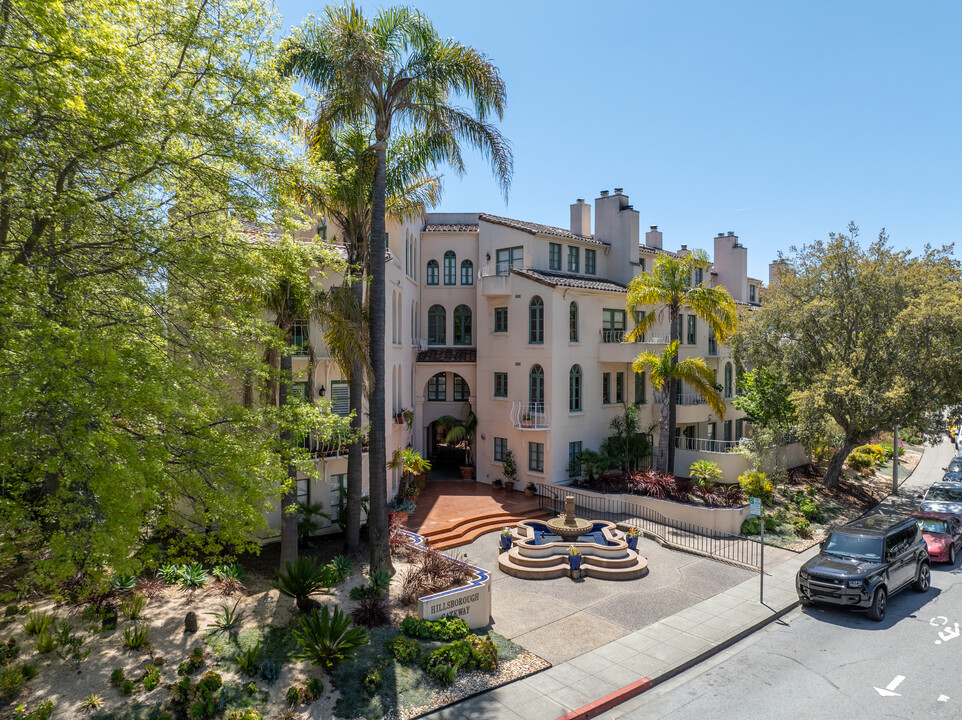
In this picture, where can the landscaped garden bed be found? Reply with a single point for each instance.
(184, 644)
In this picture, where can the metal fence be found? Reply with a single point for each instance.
(733, 549)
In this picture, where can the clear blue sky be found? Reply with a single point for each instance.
(780, 120)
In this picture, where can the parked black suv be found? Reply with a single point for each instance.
(864, 562)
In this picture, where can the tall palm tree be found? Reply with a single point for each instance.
(668, 287)
(394, 70)
(666, 371)
(345, 196)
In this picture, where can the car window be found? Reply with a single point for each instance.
(863, 548)
(955, 465)
(943, 494)
(933, 526)
(899, 542)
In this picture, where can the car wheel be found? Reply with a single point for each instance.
(924, 578)
(876, 610)
(952, 555)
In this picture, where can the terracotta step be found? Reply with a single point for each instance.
(460, 528)
(465, 536)
(444, 528)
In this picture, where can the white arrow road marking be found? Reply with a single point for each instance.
(888, 691)
(943, 698)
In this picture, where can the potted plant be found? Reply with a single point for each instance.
(506, 539)
(399, 509)
(526, 421)
(530, 490)
(497, 484)
(509, 470)
(461, 432)
(411, 464)
(574, 558)
(632, 538)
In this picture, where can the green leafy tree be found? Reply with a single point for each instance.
(868, 336)
(138, 136)
(628, 445)
(667, 288)
(459, 431)
(766, 398)
(394, 71)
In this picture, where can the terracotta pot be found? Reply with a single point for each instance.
(467, 472)
(509, 485)
(528, 493)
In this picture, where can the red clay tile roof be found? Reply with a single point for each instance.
(448, 355)
(537, 229)
(582, 282)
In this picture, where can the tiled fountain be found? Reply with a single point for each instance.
(539, 549)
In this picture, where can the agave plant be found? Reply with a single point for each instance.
(123, 583)
(327, 638)
(192, 577)
(342, 567)
(169, 573)
(302, 578)
(228, 620)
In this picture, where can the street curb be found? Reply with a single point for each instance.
(608, 702)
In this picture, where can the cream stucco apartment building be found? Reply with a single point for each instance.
(525, 324)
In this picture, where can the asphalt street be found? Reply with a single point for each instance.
(825, 662)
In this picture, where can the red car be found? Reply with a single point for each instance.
(942, 533)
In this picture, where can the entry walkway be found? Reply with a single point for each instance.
(591, 683)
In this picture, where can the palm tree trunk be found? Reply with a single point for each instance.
(355, 453)
(288, 519)
(672, 394)
(664, 425)
(377, 457)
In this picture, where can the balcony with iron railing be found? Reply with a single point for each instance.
(331, 447)
(707, 445)
(536, 416)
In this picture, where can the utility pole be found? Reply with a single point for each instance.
(895, 462)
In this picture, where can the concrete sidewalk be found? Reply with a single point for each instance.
(596, 681)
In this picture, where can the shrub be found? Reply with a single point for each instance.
(342, 568)
(802, 527)
(484, 653)
(150, 587)
(270, 671)
(381, 581)
(126, 688)
(228, 572)
(734, 495)
(245, 714)
(248, 660)
(772, 522)
(757, 484)
(327, 637)
(123, 583)
(302, 578)
(12, 681)
(810, 509)
(151, 681)
(43, 712)
(372, 680)
(168, 573)
(655, 484)
(861, 460)
(9, 651)
(29, 671)
(473, 652)
(228, 620)
(132, 605)
(294, 695)
(37, 622)
(45, 643)
(751, 526)
(432, 572)
(117, 677)
(405, 650)
(371, 612)
(705, 471)
(444, 629)
(314, 689)
(93, 702)
(136, 637)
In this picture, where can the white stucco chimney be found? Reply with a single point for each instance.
(731, 264)
(617, 223)
(581, 218)
(653, 237)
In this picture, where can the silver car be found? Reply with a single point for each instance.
(943, 497)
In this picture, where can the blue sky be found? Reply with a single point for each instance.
(779, 120)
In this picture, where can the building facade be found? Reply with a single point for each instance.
(525, 324)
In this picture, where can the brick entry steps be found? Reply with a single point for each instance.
(451, 514)
(467, 531)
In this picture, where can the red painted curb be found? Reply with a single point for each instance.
(608, 701)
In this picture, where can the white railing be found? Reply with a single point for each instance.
(612, 335)
(531, 415)
(706, 444)
(335, 446)
(690, 399)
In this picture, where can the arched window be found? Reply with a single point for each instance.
(450, 262)
(462, 325)
(467, 272)
(438, 388)
(437, 321)
(573, 322)
(536, 388)
(574, 388)
(536, 321)
(728, 379)
(432, 272)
